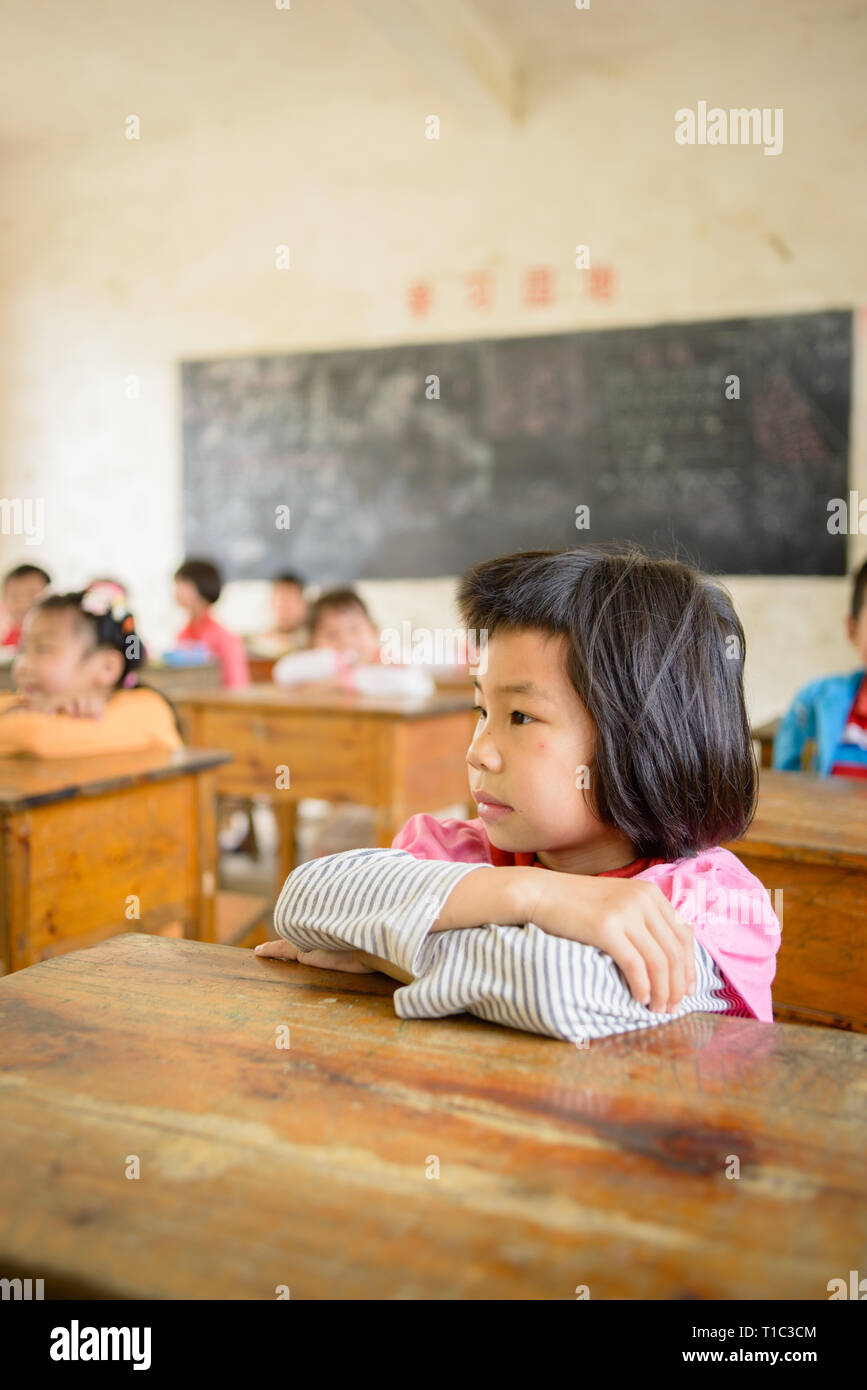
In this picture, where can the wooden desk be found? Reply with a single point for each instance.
(398, 756)
(809, 838)
(308, 1167)
(79, 836)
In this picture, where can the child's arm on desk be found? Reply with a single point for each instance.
(351, 962)
(372, 906)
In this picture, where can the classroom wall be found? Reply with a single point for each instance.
(120, 258)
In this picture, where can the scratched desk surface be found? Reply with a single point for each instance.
(312, 1167)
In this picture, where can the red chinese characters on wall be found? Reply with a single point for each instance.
(538, 289)
(600, 282)
(538, 286)
(419, 299)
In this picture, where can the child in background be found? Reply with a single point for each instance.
(832, 712)
(291, 629)
(345, 650)
(344, 653)
(611, 758)
(197, 587)
(76, 670)
(21, 588)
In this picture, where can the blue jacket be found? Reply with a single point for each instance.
(817, 712)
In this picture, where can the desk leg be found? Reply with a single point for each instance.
(286, 816)
(204, 841)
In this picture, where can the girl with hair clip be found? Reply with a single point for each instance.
(612, 760)
(77, 676)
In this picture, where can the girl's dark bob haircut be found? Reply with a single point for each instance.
(655, 654)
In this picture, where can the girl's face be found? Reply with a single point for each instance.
(19, 596)
(188, 597)
(533, 750)
(56, 656)
(347, 630)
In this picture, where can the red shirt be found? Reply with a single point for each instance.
(11, 638)
(223, 645)
(850, 759)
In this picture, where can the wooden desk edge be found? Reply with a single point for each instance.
(262, 700)
(199, 760)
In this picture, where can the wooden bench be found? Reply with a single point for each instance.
(809, 839)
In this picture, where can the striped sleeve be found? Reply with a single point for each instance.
(385, 902)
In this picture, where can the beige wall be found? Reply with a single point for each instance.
(124, 257)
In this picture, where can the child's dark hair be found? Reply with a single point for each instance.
(655, 656)
(859, 591)
(25, 571)
(287, 577)
(336, 601)
(205, 576)
(114, 628)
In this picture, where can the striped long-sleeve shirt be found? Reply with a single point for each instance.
(384, 902)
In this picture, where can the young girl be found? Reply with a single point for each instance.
(76, 671)
(611, 757)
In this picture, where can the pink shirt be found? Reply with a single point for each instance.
(729, 908)
(223, 645)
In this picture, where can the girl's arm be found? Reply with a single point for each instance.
(386, 905)
(796, 727)
(120, 729)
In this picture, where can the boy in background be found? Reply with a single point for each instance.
(198, 585)
(21, 589)
(291, 630)
(831, 712)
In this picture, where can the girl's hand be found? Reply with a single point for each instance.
(324, 960)
(81, 706)
(78, 706)
(631, 921)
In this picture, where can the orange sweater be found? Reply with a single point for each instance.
(132, 720)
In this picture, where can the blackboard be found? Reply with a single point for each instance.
(383, 482)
